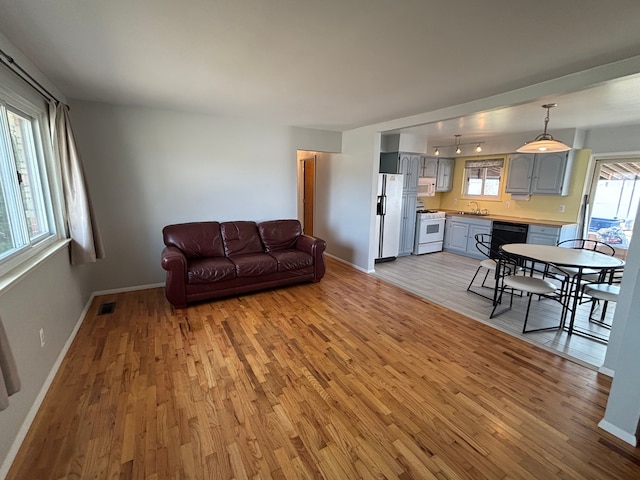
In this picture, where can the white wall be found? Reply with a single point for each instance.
(614, 139)
(351, 180)
(147, 168)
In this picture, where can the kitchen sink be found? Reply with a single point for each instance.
(477, 214)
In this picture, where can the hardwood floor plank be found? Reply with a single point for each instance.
(352, 377)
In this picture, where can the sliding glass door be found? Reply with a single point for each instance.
(613, 202)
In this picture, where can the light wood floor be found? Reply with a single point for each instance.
(349, 378)
(443, 278)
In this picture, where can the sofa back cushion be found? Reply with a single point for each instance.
(196, 239)
(240, 238)
(280, 234)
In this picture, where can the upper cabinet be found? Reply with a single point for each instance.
(407, 164)
(539, 173)
(444, 179)
(429, 167)
(439, 168)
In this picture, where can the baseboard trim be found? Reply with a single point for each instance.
(606, 371)
(33, 411)
(342, 260)
(618, 432)
(126, 289)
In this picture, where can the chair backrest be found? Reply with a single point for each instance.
(588, 244)
(483, 245)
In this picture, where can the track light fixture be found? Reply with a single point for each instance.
(544, 143)
(456, 146)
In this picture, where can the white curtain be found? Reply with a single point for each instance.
(86, 243)
(9, 379)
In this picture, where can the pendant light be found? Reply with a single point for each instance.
(544, 143)
(458, 150)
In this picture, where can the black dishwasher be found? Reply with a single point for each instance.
(507, 232)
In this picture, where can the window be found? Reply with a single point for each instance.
(482, 178)
(26, 220)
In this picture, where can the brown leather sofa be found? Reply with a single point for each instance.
(207, 260)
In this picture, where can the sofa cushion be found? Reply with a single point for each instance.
(292, 259)
(254, 264)
(209, 270)
(279, 234)
(196, 239)
(241, 238)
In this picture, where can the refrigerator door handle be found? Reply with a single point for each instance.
(382, 205)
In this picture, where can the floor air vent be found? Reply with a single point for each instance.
(107, 308)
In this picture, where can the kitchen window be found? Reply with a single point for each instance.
(482, 178)
(26, 213)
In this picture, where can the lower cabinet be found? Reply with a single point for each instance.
(551, 235)
(460, 235)
(460, 232)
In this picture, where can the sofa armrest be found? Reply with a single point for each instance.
(315, 247)
(175, 263)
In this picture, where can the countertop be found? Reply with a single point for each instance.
(504, 218)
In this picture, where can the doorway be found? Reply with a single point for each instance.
(614, 197)
(306, 190)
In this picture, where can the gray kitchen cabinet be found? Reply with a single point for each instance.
(460, 235)
(550, 234)
(429, 167)
(520, 173)
(407, 164)
(439, 168)
(407, 223)
(539, 173)
(444, 177)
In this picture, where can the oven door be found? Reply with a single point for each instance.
(431, 230)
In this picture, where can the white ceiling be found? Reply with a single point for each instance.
(334, 64)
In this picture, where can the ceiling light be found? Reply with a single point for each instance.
(544, 143)
(456, 146)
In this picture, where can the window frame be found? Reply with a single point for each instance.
(484, 164)
(18, 262)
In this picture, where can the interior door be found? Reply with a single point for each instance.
(614, 197)
(309, 167)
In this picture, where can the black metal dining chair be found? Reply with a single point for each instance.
(568, 275)
(605, 291)
(531, 282)
(483, 245)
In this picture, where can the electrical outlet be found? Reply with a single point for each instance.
(455, 201)
(42, 341)
(507, 204)
(561, 208)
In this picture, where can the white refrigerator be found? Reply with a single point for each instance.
(388, 216)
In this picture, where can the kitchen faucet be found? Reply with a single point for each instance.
(477, 209)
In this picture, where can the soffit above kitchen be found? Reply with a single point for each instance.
(335, 64)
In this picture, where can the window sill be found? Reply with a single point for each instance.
(16, 274)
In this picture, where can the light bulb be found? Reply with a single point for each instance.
(478, 148)
(458, 150)
(437, 151)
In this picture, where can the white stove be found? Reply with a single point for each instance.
(429, 214)
(429, 236)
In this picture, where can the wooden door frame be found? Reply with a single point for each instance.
(303, 157)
